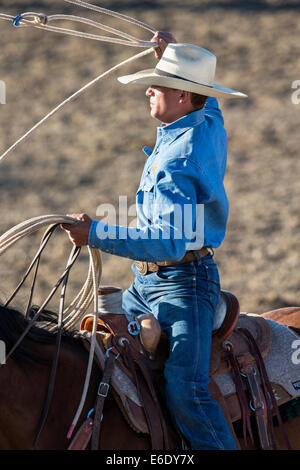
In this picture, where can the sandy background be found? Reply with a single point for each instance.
(90, 153)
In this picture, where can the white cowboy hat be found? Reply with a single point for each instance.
(184, 67)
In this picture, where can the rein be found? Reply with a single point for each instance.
(69, 315)
(79, 305)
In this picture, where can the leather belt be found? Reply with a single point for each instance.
(144, 267)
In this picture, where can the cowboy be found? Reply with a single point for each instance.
(182, 211)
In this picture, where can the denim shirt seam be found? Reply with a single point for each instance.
(184, 157)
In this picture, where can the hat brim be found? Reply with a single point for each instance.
(150, 77)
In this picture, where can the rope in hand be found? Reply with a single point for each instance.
(78, 307)
(41, 21)
(90, 289)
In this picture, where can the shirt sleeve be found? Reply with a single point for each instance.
(177, 217)
(212, 109)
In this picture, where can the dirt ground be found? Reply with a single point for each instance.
(90, 152)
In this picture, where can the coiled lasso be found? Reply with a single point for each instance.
(78, 307)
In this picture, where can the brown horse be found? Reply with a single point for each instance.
(289, 316)
(24, 382)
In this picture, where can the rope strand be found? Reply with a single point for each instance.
(112, 13)
(72, 98)
(41, 21)
(79, 305)
(90, 289)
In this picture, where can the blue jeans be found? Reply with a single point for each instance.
(183, 298)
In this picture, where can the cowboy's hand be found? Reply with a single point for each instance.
(162, 39)
(79, 231)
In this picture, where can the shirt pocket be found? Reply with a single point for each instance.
(145, 196)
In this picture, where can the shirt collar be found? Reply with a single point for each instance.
(169, 132)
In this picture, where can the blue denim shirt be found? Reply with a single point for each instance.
(181, 202)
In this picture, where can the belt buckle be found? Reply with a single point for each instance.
(142, 267)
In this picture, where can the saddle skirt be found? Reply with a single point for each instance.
(123, 386)
(273, 340)
(261, 332)
(283, 372)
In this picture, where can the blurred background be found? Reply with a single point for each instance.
(90, 152)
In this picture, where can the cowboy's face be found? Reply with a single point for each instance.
(165, 103)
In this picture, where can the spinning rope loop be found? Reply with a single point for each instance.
(42, 21)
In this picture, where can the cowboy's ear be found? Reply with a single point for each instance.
(184, 97)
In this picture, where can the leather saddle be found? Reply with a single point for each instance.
(141, 349)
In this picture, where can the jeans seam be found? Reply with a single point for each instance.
(196, 313)
(208, 421)
(145, 288)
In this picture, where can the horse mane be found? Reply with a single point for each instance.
(12, 325)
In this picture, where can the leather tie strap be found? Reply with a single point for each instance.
(82, 438)
(102, 394)
(257, 406)
(265, 380)
(240, 391)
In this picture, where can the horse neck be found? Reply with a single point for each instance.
(23, 391)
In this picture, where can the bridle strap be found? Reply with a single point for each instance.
(80, 303)
(73, 256)
(64, 279)
(42, 307)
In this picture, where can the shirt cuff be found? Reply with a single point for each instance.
(96, 234)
